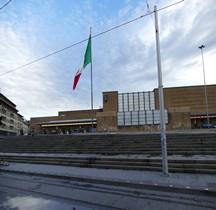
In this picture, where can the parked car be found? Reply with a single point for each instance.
(206, 125)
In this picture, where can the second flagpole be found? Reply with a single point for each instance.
(92, 105)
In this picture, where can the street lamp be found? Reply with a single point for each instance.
(161, 100)
(206, 97)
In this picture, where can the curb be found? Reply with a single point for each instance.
(119, 183)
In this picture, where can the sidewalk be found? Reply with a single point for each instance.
(198, 184)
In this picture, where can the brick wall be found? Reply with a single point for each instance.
(193, 97)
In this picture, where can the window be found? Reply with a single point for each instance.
(136, 101)
(138, 108)
(148, 117)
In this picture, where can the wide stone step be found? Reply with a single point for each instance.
(179, 165)
(136, 146)
(113, 152)
(109, 145)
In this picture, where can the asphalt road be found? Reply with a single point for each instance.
(36, 193)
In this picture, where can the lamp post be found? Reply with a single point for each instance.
(206, 96)
(161, 99)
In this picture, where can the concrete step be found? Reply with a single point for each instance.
(175, 165)
(187, 144)
(112, 152)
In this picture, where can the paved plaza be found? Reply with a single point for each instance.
(200, 183)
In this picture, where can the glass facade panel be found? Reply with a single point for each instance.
(127, 118)
(152, 101)
(125, 102)
(141, 101)
(138, 108)
(131, 102)
(120, 103)
(120, 118)
(157, 117)
(138, 101)
(148, 117)
(146, 101)
(166, 115)
(135, 118)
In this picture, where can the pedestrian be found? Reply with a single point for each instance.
(21, 132)
(32, 132)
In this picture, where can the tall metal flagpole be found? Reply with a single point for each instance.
(161, 100)
(206, 96)
(91, 85)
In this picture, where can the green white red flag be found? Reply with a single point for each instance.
(87, 60)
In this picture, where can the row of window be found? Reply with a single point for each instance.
(137, 101)
(7, 127)
(147, 117)
(4, 111)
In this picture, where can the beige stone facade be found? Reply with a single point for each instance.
(12, 122)
(185, 107)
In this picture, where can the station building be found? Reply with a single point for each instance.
(185, 108)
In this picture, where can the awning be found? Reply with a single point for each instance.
(55, 123)
(202, 116)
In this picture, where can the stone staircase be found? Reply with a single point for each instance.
(187, 152)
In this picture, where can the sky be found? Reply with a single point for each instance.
(123, 60)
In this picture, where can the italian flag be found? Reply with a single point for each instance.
(87, 60)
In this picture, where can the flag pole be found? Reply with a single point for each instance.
(161, 100)
(91, 87)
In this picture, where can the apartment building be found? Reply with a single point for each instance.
(11, 121)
